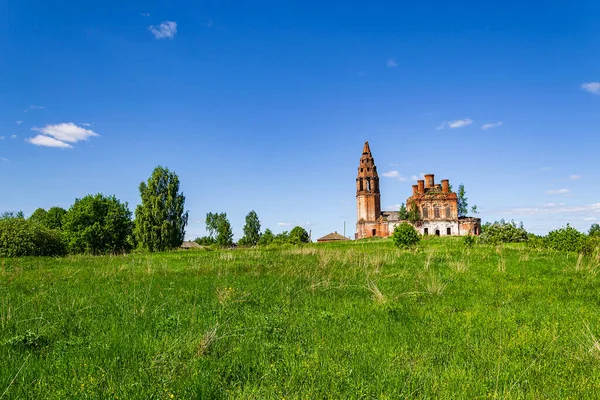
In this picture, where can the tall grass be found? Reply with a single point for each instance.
(340, 320)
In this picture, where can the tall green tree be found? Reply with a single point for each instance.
(39, 216)
(463, 205)
(266, 238)
(251, 230)
(414, 215)
(98, 224)
(219, 228)
(160, 219)
(55, 217)
(403, 213)
(594, 230)
(12, 214)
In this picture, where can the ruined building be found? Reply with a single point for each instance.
(436, 205)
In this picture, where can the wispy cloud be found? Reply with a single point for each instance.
(86, 124)
(391, 63)
(592, 87)
(394, 175)
(1, 137)
(284, 223)
(60, 135)
(414, 178)
(545, 169)
(47, 141)
(575, 177)
(590, 219)
(459, 123)
(145, 14)
(166, 30)
(19, 122)
(546, 210)
(4, 159)
(30, 108)
(559, 191)
(13, 137)
(485, 127)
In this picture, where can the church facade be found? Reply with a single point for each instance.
(436, 205)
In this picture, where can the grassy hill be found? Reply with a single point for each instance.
(344, 320)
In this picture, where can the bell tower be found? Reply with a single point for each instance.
(368, 202)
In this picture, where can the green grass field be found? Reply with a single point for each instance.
(346, 320)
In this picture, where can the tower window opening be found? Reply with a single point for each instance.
(368, 184)
(361, 170)
(361, 184)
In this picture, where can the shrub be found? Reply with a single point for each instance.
(503, 232)
(405, 236)
(19, 237)
(469, 240)
(266, 238)
(298, 235)
(569, 239)
(98, 225)
(205, 241)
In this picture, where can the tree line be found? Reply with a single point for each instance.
(100, 224)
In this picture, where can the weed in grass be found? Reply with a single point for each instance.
(207, 341)
(376, 294)
(434, 285)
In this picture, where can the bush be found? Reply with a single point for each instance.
(405, 236)
(469, 240)
(298, 235)
(266, 238)
(19, 237)
(569, 239)
(98, 225)
(205, 241)
(503, 232)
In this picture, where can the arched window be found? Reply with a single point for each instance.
(436, 212)
(448, 212)
(368, 184)
(425, 212)
(361, 184)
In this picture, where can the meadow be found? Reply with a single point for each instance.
(343, 320)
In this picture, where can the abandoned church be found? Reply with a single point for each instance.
(436, 205)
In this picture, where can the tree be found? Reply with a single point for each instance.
(219, 228)
(266, 238)
(251, 230)
(160, 219)
(474, 209)
(20, 237)
(54, 218)
(403, 213)
(298, 235)
(39, 216)
(594, 230)
(463, 206)
(12, 215)
(98, 225)
(413, 214)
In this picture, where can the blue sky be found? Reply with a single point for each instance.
(266, 105)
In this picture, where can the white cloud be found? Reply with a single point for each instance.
(537, 210)
(575, 177)
(86, 124)
(306, 224)
(459, 123)
(544, 169)
(441, 126)
(19, 122)
(284, 223)
(47, 141)
(34, 108)
(592, 87)
(590, 219)
(559, 191)
(4, 159)
(391, 63)
(414, 178)
(13, 137)
(67, 132)
(145, 14)
(394, 175)
(1, 137)
(485, 127)
(166, 30)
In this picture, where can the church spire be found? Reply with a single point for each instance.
(367, 149)
(367, 187)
